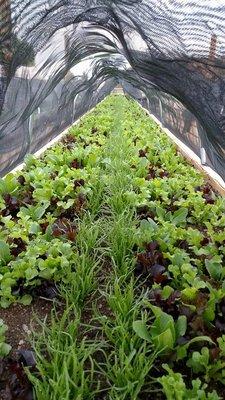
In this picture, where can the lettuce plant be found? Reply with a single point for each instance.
(163, 332)
(174, 387)
(4, 347)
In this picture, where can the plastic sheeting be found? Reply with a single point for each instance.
(171, 50)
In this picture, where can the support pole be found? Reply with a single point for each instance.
(5, 47)
(5, 36)
(213, 47)
(160, 110)
(74, 107)
(203, 156)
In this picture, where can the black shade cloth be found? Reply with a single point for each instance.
(173, 51)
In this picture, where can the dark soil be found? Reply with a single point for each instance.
(20, 321)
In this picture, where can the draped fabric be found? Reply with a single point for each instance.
(58, 58)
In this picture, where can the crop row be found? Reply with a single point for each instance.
(113, 214)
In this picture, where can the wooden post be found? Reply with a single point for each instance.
(5, 16)
(5, 32)
(5, 47)
(213, 46)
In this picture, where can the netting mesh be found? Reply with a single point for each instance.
(59, 58)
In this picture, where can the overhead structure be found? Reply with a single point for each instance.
(59, 58)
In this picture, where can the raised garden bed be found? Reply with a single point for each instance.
(117, 244)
